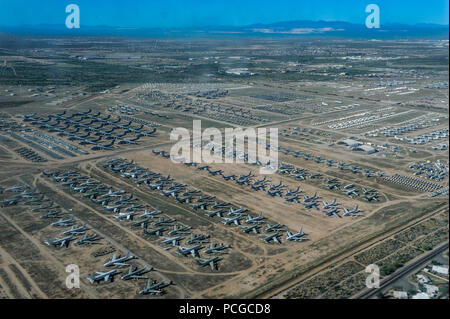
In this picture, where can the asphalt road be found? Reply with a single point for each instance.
(403, 271)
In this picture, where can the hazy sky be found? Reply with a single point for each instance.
(185, 13)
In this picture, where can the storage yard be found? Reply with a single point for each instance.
(87, 176)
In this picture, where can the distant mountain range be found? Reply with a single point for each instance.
(280, 29)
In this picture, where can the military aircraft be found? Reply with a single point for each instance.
(220, 205)
(115, 209)
(51, 214)
(113, 194)
(349, 186)
(239, 211)
(368, 191)
(293, 192)
(105, 147)
(333, 212)
(151, 214)
(76, 230)
(273, 237)
(218, 212)
(157, 231)
(136, 273)
(329, 205)
(142, 223)
(60, 242)
(185, 251)
(123, 200)
(371, 198)
(154, 288)
(228, 177)
(274, 227)
(300, 236)
(64, 222)
(90, 142)
(99, 276)
(175, 241)
(292, 199)
(353, 212)
(254, 220)
(179, 229)
(216, 249)
(129, 141)
(310, 205)
(163, 221)
(307, 198)
(119, 261)
(209, 262)
(201, 238)
(251, 228)
(245, 176)
(235, 220)
(88, 240)
(127, 216)
(200, 205)
(351, 192)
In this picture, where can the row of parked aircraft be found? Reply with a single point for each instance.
(127, 207)
(279, 189)
(195, 198)
(82, 129)
(341, 165)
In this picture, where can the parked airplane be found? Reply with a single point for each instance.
(235, 220)
(175, 241)
(209, 262)
(64, 222)
(251, 228)
(329, 205)
(151, 214)
(216, 249)
(158, 231)
(218, 212)
(76, 230)
(189, 250)
(237, 211)
(307, 198)
(274, 237)
(333, 212)
(88, 240)
(154, 288)
(353, 212)
(102, 276)
(136, 273)
(274, 227)
(253, 220)
(300, 236)
(60, 242)
(127, 216)
(119, 261)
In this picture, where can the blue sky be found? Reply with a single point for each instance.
(196, 13)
